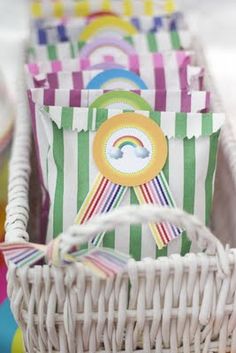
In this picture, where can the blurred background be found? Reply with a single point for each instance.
(213, 20)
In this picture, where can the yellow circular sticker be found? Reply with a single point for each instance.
(107, 24)
(130, 149)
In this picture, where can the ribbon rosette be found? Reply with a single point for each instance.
(130, 150)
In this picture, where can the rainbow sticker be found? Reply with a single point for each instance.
(121, 100)
(107, 24)
(119, 79)
(104, 46)
(129, 149)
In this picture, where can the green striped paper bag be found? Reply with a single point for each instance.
(192, 140)
(141, 43)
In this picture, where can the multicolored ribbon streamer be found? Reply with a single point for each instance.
(102, 262)
(157, 192)
(106, 196)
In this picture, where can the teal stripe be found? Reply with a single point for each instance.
(210, 175)
(81, 44)
(136, 234)
(152, 42)
(90, 120)
(180, 125)
(67, 118)
(164, 251)
(83, 170)
(31, 52)
(189, 186)
(58, 155)
(156, 117)
(101, 117)
(72, 51)
(207, 124)
(175, 40)
(52, 52)
(129, 40)
(109, 240)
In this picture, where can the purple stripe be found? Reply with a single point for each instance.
(84, 64)
(53, 80)
(49, 97)
(186, 98)
(109, 257)
(164, 202)
(208, 101)
(77, 80)
(75, 98)
(111, 196)
(160, 100)
(23, 255)
(133, 61)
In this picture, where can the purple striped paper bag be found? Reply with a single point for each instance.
(185, 78)
(50, 32)
(161, 61)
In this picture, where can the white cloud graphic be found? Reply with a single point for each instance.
(115, 153)
(142, 152)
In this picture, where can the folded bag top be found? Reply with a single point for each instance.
(141, 43)
(71, 170)
(176, 78)
(135, 62)
(54, 31)
(81, 8)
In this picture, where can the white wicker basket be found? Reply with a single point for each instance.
(172, 305)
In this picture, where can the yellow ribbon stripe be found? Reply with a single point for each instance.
(58, 9)
(106, 5)
(128, 7)
(82, 8)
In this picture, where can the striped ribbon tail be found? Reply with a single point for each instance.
(157, 192)
(101, 262)
(23, 254)
(102, 198)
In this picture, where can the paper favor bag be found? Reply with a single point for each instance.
(75, 168)
(138, 44)
(179, 101)
(189, 77)
(160, 61)
(55, 31)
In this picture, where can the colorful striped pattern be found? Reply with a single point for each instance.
(22, 254)
(194, 101)
(177, 125)
(103, 197)
(62, 31)
(142, 43)
(161, 61)
(102, 262)
(185, 79)
(81, 8)
(157, 192)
